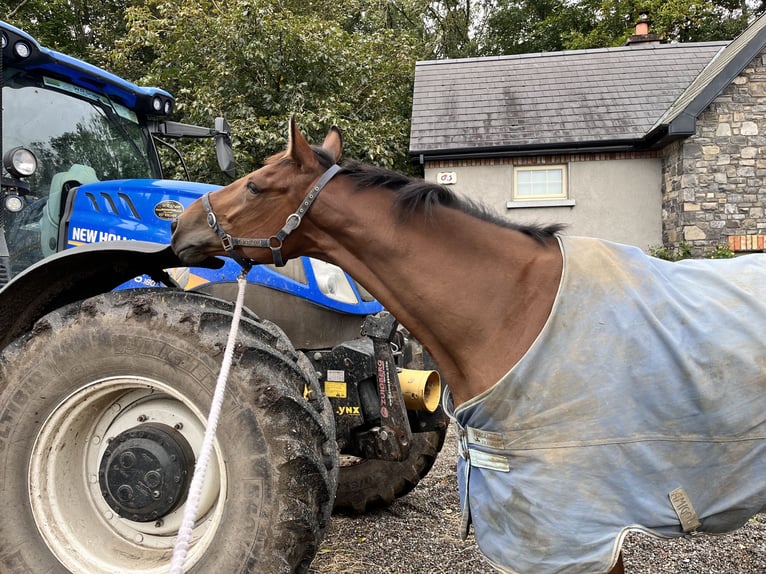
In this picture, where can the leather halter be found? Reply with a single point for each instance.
(275, 242)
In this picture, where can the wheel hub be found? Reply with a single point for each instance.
(145, 472)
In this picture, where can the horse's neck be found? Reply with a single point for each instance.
(475, 294)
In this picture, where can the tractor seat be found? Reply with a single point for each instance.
(61, 184)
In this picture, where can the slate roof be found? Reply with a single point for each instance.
(608, 98)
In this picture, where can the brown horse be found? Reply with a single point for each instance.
(494, 303)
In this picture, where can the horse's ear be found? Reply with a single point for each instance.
(298, 149)
(334, 143)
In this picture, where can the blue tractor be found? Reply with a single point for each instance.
(110, 348)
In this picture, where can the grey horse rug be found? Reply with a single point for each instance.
(640, 406)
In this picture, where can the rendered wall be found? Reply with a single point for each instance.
(617, 197)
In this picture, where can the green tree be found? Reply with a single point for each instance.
(256, 62)
(79, 28)
(527, 26)
(524, 26)
(689, 21)
(451, 23)
(674, 20)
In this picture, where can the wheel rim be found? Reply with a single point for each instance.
(76, 509)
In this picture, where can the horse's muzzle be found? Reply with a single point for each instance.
(186, 245)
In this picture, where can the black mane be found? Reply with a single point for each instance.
(411, 193)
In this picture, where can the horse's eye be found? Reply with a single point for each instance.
(252, 188)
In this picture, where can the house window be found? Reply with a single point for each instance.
(540, 186)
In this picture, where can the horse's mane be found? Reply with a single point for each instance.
(411, 193)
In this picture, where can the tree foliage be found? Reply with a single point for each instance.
(257, 62)
(526, 26)
(531, 26)
(75, 27)
(611, 22)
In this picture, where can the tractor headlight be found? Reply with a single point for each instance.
(20, 162)
(333, 282)
(22, 49)
(13, 203)
(157, 104)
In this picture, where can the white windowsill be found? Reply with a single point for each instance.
(541, 203)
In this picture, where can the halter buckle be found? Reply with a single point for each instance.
(291, 223)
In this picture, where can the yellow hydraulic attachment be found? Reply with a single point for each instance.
(421, 389)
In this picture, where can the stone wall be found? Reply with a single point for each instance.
(714, 183)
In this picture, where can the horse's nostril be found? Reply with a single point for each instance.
(173, 225)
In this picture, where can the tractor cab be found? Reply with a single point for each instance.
(62, 127)
(65, 124)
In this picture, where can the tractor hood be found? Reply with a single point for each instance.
(140, 209)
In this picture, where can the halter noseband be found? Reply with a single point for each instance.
(275, 242)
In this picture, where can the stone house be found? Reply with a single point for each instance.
(649, 143)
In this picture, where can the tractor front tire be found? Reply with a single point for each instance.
(129, 376)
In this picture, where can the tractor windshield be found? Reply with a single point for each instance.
(66, 126)
(78, 136)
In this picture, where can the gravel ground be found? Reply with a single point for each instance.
(418, 535)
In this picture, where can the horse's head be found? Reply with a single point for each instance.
(250, 218)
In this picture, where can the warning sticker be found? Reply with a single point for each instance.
(335, 389)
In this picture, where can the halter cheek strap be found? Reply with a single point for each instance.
(227, 240)
(275, 242)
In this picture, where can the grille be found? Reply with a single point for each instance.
(5, 270)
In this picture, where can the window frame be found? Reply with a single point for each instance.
(558, 200)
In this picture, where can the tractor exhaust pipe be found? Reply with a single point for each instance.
(422, 390)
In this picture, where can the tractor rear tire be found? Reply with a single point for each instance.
(116, 368)
(366, 484)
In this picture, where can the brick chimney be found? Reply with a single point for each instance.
(642, 26)
(642, 35)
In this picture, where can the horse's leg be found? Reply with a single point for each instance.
(618, 568)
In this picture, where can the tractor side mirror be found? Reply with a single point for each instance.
(223, 149)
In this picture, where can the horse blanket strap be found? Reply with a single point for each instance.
(275, 242)
(640, 406)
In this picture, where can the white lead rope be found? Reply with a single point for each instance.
(203, 460)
